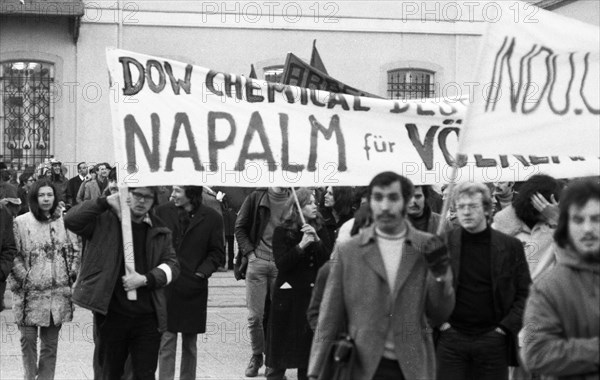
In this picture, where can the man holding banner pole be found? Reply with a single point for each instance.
(124, 326)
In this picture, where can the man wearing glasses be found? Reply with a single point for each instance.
(124, 327)
(491, 281)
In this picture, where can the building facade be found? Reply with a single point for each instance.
(54, 86)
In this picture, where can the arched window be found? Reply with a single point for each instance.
(410, 84)
(26, 112)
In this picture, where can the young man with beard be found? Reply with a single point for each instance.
(503, 194)
(123, 327)
(198, 240)
(492, 280)
(388, 286)
(420, 214)
(562, 317)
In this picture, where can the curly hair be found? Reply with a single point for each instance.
(577, 193)
(539, 183)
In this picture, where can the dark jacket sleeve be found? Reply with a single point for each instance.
(168, 268)
(81, 219)
(312, 313)
(513, 321)
(547, 349)
(243, 224)
(7, 244)
(286, 255)
(215, 256)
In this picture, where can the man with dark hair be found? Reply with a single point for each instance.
(387, 283)
(562, 317)
(75, 183)
(198, 240)
(420, 214)
(492, 279)
(94, 188)
(259, 215)
(124, 327)
(503, 194)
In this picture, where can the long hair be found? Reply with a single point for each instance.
(578, 193)
(32, 197)
(291, 216)
(194, 194)
(539, 183)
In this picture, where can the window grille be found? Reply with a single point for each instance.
(274, 73)
(411, 84)
(26, 112)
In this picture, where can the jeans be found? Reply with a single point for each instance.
(168, 350)
(120, 336)
(260, 275)
(388, 370)
(44, 369)
(477, 357)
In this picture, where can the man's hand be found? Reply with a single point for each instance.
(436, 256)
(133, 281)
(549, 210)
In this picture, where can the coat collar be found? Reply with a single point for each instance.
(372, 256)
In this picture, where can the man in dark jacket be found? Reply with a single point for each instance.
(124, 327)
(492, 281)
(260, 214)
(562, 317)
(198, 240)
(75, 183)
(420, 214)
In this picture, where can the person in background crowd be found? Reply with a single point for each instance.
(59, 181)
(451, 213)
(336, 208)
(478, 341)
(385, 284)
(7, 190)
(420, 215)
(532, 218)
(214, 200)
(259, 215)
(503, 193)
(94, 187)
(198, 240)
(75, 183)
(113, 185)
(26, 181)
(299, 251)
(562, 316)
(45, 266)
(123, 327)
(7, 250)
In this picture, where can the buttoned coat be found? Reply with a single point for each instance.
(358, 296)
(200, 249)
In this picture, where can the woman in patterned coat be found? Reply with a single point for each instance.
(44, 270)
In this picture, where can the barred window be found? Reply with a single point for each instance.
(411, 84)
(274, 73)
(26, 112)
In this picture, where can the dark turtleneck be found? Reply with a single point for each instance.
(421, 222)
(474, 310)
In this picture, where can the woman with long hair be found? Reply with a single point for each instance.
(337, 207)
(299, 251)
(41, 279)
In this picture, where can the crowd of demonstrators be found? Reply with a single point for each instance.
(562, 316)
(198, 240)
(300, 247)
(44, 269)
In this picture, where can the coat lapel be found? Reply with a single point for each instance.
(410, 256)
(199, 217)
(371, 254)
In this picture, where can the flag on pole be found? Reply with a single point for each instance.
(315, 59)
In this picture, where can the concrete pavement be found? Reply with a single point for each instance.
(223, 352)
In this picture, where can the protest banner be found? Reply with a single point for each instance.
(541, 89)
(298, 73)
(187, 125)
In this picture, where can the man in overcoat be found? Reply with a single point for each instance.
(388, 286)
(198, 240)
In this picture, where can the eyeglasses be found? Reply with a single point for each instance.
(139, 196)
(470, 207)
